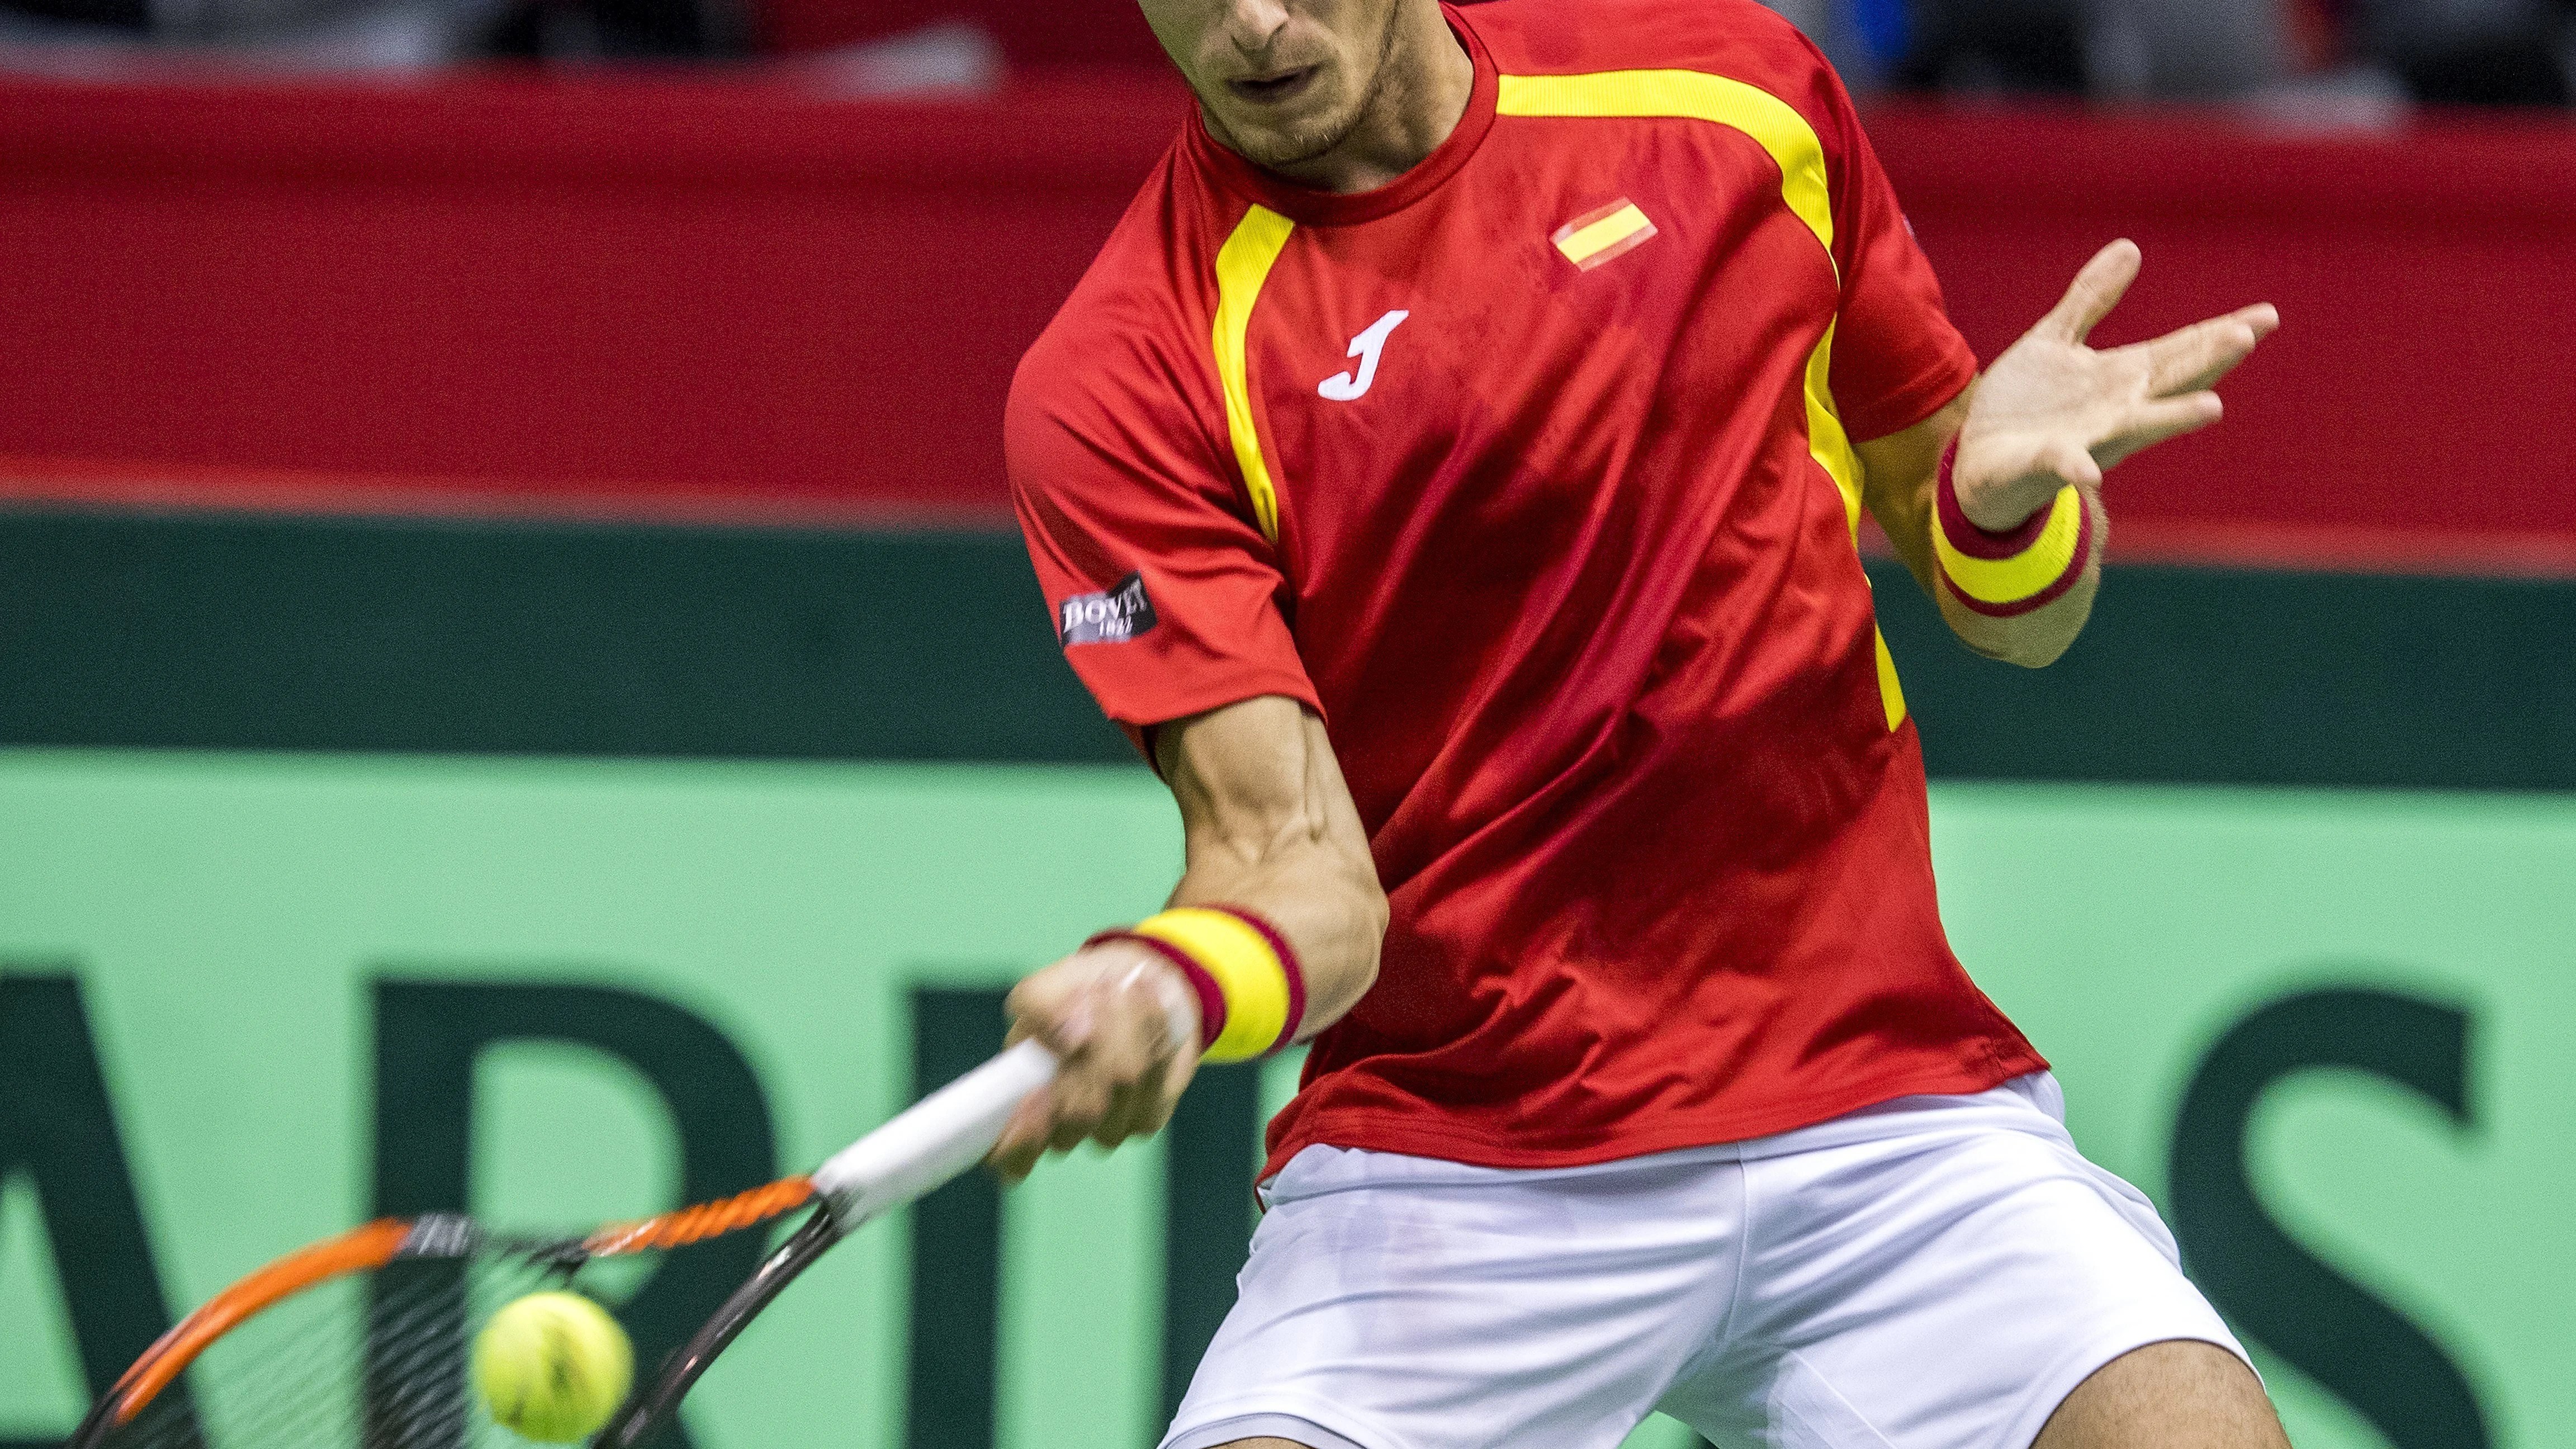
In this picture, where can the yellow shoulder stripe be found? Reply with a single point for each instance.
(1242, 264)
(1691, 95)
(1792, 144)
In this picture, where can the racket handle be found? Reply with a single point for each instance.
(934, 1140)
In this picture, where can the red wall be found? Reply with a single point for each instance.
(1058, 32)
(686, 288)
(690, 296)
(2418, 405)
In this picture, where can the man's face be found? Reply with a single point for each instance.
(1283, 81)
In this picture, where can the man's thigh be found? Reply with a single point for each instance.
(1947, 1286)
(2179, 1394)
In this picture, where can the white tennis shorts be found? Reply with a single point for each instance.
(1931, 1273)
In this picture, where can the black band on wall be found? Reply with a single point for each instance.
(255, 632)
(58, 1125)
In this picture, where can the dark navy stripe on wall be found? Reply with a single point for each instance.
(2246, 677)
(246, 631)
(243, 631)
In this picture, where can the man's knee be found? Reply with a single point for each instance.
(2181, 1392)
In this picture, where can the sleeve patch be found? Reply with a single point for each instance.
(1111, 616)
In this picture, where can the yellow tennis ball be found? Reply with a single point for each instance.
(553, 1366)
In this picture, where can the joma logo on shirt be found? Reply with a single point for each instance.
(1350, 386)
(1116, 613)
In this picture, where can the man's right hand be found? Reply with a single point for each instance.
(1124, 1023)
(1269, 827)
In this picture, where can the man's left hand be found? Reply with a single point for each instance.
(2053, 411)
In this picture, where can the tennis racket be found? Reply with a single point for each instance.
(359, 1341)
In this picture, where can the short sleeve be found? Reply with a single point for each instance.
(1897, 359)
(1166, 598)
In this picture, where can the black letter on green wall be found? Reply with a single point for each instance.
(2356, 1346)
(1215, 1150)
(58, 1126)
(949, 1371)
(428, 1034)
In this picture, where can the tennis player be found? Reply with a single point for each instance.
(1450, 473)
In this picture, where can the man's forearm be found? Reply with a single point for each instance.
(1332, 922)
(1293, 854)
(2043, 425)
(1271, 833)
(2038, 636)
(1902, 476)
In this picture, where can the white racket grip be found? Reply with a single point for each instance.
(935, 1139)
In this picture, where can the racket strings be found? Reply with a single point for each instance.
(374, 1362)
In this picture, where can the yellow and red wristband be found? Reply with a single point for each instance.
(2001, 575)
(1252, 994)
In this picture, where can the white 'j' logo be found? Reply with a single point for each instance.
(1344, 386)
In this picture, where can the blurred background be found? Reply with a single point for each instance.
(2509, 52)
(518, 687)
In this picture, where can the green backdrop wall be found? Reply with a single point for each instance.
(711, 848)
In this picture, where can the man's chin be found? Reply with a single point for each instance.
(1284, 143)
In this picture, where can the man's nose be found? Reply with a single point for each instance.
(1253, 24)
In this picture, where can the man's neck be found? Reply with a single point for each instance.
(1422, 94)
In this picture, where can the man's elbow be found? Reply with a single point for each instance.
(1374, 914)
(2041, 658)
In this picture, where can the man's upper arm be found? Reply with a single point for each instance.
(1163, 593)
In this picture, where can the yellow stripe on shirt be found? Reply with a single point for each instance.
(1826, 441)
(1242, 265)
(1773, 123)
(1831, 447)
(1794, 148)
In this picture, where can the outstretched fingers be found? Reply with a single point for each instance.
(2194, 358)
(2152, 422)
(2096, 290)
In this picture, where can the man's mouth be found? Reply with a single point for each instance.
(1271, 90)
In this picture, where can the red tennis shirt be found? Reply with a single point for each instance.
(1531, 473)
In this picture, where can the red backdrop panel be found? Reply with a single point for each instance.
(1058, 32)
(681, 295)
(675, 287)
(2427, 281)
